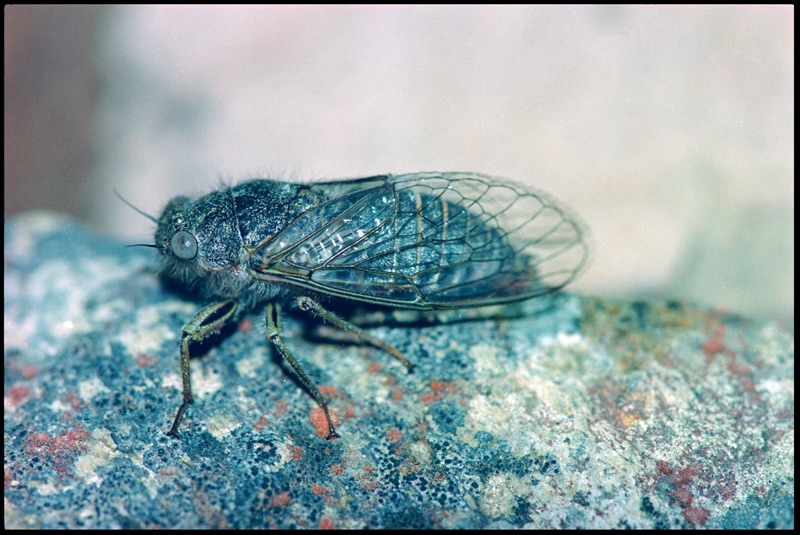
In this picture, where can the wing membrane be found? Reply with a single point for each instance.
(426, 241)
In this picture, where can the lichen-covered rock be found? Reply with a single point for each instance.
(567, 412)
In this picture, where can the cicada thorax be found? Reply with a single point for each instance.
(224, 227)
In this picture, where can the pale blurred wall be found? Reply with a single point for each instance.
(50, 99)
(669, 129)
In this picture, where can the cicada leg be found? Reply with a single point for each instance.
(274, 334)
(309, 305)
(207, 322)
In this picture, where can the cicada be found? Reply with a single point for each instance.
(421, 241)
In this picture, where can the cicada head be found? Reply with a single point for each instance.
(200, 242)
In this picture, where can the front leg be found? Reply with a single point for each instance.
(207, 322)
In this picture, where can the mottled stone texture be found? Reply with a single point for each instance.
(572, 412)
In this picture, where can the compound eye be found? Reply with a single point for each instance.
(184, 245)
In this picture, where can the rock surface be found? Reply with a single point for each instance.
(571, 412)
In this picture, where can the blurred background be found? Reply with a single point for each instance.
(668, 129)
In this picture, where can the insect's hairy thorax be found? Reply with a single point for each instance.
(227, 226)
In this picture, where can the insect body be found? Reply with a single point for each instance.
(422, 241)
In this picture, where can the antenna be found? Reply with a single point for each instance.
(123, 199)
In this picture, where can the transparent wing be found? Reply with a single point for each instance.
(427, 241)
